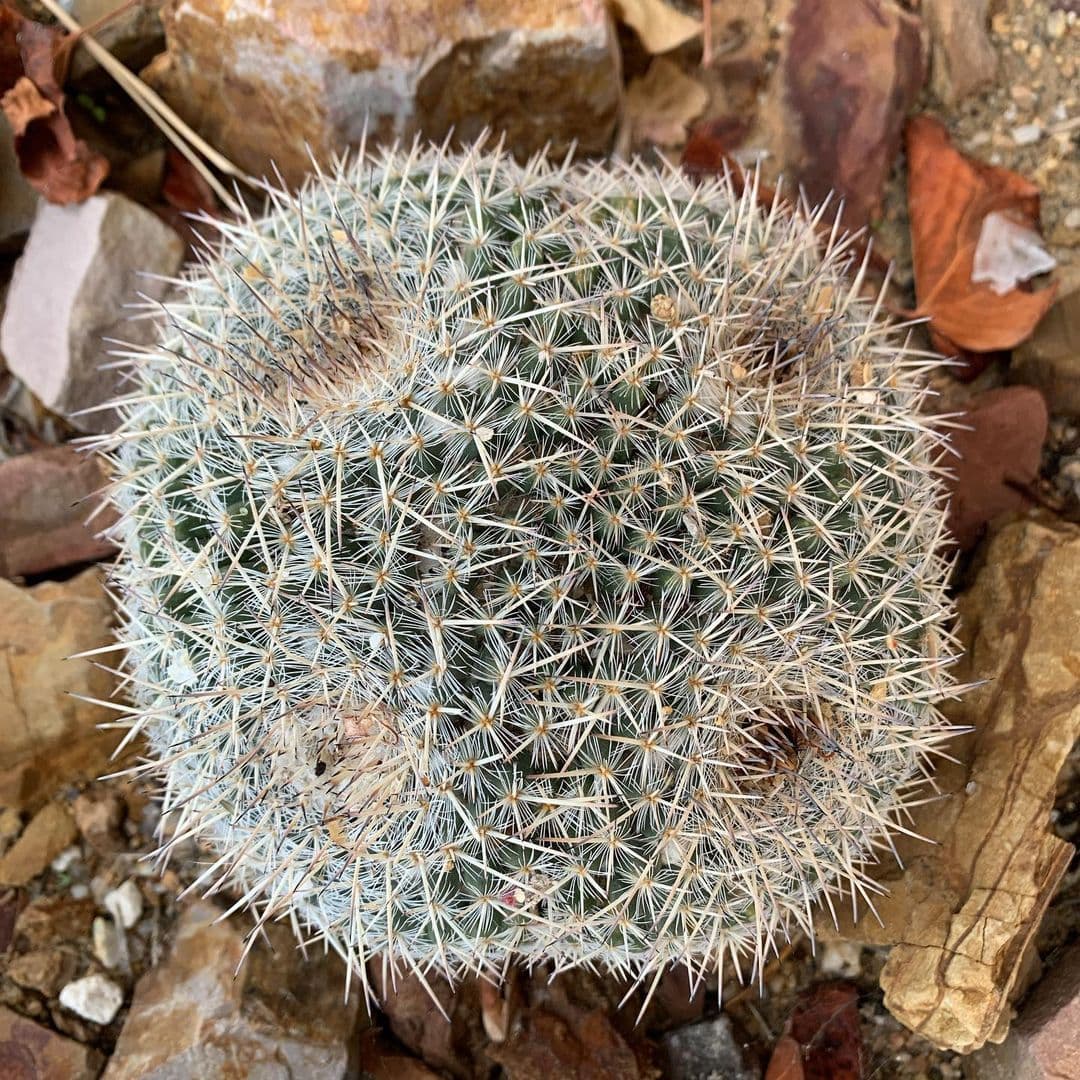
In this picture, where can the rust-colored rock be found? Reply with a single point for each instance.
(963, 914)
(264, 80)
(998, 452)
(29, 1051)
(283, 1015)
(48, 736)
(45, 499)
(847, 75)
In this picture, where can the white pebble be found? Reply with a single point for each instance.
(125, 904)
(840, 958)
(79, 891)
(66, 858)
(94, 998)
(1072, 219)
(108, 945)
(1026, 134)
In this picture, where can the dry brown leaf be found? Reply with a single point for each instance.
(659, 26)
(660, 103)
(949, 197)
(60, 166)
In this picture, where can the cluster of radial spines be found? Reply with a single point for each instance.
(532, 562)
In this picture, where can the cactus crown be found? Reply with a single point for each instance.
(532, 561)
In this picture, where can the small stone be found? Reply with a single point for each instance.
(98, 814)
(53, 919)
(1026, 134)
(705, 1050)
(1056, 24)
(50, 831)
(94, 998)
(125, 904)
(81, 267)
(840, 958)
(962, 58)
(46, 499)
(42, 970)
(66, 859)
(1072, 219)
(1050, 358)
(30, 1051)
(108, 943)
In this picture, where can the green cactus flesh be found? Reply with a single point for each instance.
(532, 562)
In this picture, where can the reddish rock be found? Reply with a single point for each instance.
(265, 80)
(282, 1015)
(46, 498)
(999, 450)
(1042, 1043)
(847, 76)
(29, 1051)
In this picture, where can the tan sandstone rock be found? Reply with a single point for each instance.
(283, 1015)
(47, 735)
(963, 914)
(264, 79)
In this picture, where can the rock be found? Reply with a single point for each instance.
(704, 1050)
(840, 958)
(47, 736)
(264, 80)
(94, 998)
(282, 1016)
(98, 814)
(999, 452)
(133, 33)
(833, 112)
(66, 859)
(1050, 358)
(29, 1051)
(822, 1037)
(962, 57)
(108, 943)
(52, 919)
(963, 912)
(46, 498)
(1042, 1044)
(18, 200)
(125, 904)
(81, 266)
(50, 831)
(43, 970)
(380, 1060)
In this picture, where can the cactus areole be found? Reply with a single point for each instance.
(532, 562)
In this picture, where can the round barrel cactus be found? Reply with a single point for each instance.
(532, 562)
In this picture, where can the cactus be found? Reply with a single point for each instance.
(532, 562)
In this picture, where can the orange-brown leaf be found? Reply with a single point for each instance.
(949, 196)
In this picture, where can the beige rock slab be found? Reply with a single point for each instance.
(46, 734)
(283, 1015)
(263, 80)
(963, 914)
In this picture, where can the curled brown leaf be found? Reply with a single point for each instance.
(949, 197)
